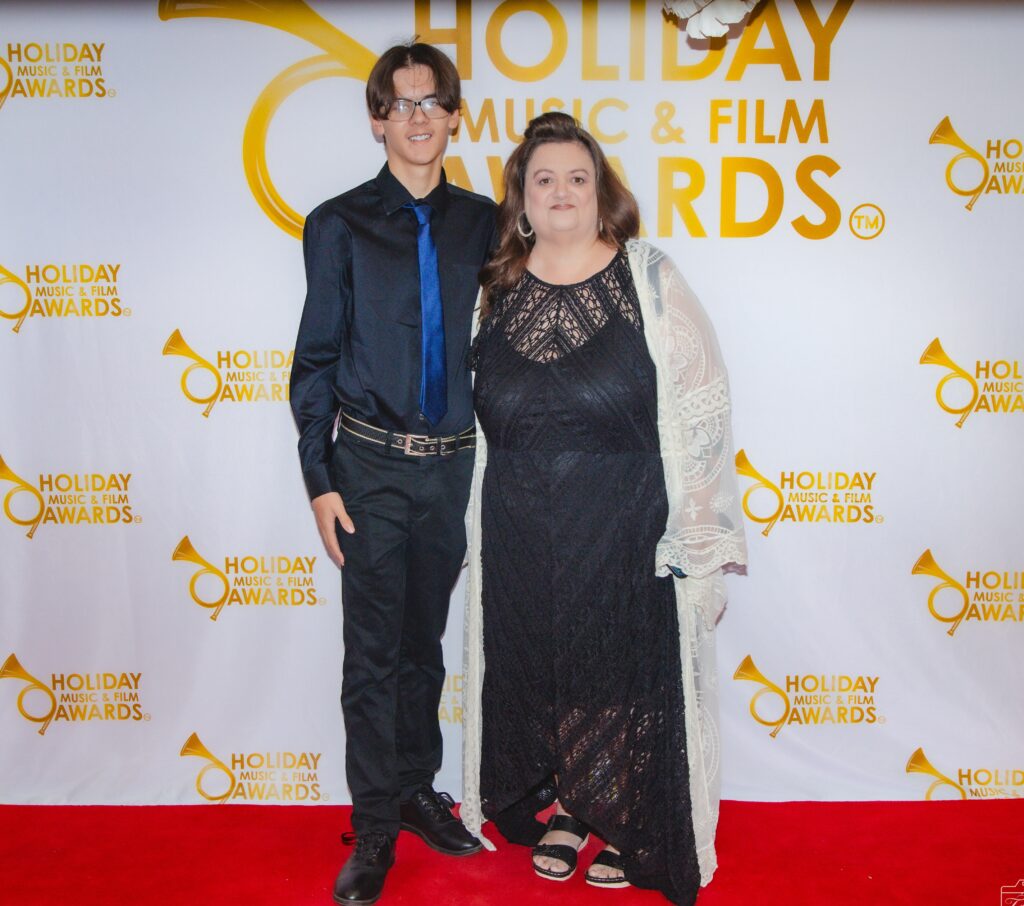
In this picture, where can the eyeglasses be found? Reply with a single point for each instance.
(403, 108)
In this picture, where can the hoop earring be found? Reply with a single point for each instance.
(519, 226)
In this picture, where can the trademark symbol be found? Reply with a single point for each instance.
(867, 221)
(880, 719)
(879, 520)
(147, 716)
(325, 798)
(126, 312)
(111, 92)
(138, 519)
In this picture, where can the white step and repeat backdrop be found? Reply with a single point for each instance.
(842, 185)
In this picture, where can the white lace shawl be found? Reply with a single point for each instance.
(704, 532)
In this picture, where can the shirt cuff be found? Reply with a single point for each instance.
(318, 480)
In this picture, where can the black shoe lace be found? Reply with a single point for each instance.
(369, 846)
(437, 805)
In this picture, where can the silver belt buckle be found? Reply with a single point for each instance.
(409, 451)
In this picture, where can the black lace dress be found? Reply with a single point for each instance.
(582, 684)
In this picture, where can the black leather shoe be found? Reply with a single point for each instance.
(429, 815)
(361, 878)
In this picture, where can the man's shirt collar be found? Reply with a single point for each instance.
(394, 194)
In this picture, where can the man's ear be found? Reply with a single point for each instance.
(453, 121)
(378, 128)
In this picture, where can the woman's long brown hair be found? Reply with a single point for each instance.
(616, 206)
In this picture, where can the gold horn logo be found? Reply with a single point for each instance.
(945, 134)
(7, 277)
(926, 566)
(918, 763)
(21, 487)
(743, 467)
(344, 58)
(176, 345)
(747, 670)
(185, 551)
(934, 354)
(12, 669)
(194, 746)
(8, 77)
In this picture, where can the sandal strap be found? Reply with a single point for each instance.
(568, 824)
(610, 860)
(561, 851)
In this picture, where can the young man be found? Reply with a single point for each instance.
(391, 273)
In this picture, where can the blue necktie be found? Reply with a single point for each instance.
(433, 363)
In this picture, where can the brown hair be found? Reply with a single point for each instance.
(380, 86)
(616, 206)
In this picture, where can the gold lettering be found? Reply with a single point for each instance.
(559, 40)
(732, 167)
(461, 34)
(778, 54)
(820, 197)
(823, 34)
(592, 70)
(673, 198)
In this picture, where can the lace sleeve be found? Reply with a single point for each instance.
(704, 532)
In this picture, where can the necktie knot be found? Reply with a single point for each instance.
(422, 210)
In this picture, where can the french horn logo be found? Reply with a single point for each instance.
(29, 515)
(224, 786)
(945, 134)
(12, 669)
(65, 498)
(238, 376)
(76, 697)
(810, 699)
(19, 290)
(51, 290)
(807, 497)
(1005, 176)
(918, 763)
(970, 783)
(343, 58)
(1001, 387)
(213, 602)
(988, 596)
(6, 81)
(256, 776)
(779, 715)
(176, 345)
(251, 581)
(926, 566)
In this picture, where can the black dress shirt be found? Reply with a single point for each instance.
(358, 346)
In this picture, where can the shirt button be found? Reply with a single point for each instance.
(422, 417)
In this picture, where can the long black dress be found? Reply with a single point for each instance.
(582, 683)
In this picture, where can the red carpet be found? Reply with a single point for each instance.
(937, 853)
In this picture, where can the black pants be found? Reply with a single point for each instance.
(400, 567)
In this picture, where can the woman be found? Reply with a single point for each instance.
(608, 466)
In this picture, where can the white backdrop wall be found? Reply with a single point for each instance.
(173, 626)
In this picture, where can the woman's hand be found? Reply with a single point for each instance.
(328, 509)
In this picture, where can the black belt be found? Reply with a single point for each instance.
(409, 444)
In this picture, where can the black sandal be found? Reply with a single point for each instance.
(561, 851)
(610, 860)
